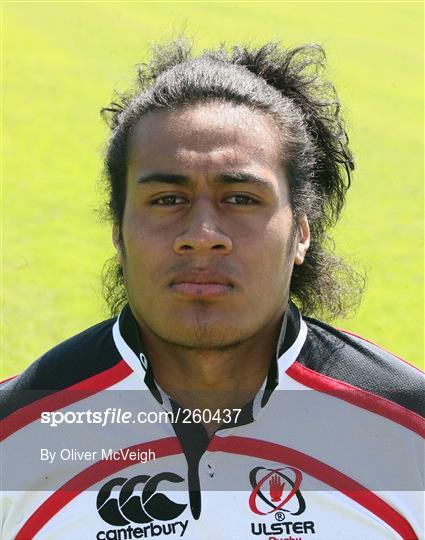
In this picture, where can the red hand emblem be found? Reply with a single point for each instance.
(276, 488)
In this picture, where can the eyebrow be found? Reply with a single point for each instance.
(182, 180)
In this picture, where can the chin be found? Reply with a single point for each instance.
(206, 336)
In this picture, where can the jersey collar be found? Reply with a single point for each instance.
(291, 339)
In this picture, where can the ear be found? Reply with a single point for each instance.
(117, 241)
(302, 240)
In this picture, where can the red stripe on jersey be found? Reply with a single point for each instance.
(86, 479)
(8, 379)
(357, 396)
(31, 412)
(317, 469)
(379, 347)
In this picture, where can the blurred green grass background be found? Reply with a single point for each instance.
(60, 63)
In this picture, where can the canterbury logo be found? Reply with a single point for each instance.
(138, 500)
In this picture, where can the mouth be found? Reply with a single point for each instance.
(202, 284)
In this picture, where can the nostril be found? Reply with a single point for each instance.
(186, 247)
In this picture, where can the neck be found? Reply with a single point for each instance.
(213, 379)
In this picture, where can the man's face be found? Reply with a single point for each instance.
(208, 240)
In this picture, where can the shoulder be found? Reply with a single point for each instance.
(79, 358)
(336, 355)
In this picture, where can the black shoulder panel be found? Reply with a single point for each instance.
(351, 359)
(70, 362)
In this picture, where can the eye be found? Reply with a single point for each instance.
(241, 200)
(169, 200)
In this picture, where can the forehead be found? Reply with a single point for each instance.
(205, 136)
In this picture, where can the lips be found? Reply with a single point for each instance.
(202, 284)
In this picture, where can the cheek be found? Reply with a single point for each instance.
(278, 243)
(135, 231)
(141, 228)
(136, 245)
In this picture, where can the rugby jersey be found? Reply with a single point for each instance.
(331, 447)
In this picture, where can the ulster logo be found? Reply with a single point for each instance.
(138, 500)
(276, 490)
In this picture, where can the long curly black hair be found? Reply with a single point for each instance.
(286, 84)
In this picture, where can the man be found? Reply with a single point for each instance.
(224, 173)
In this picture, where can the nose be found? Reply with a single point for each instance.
(202, 234)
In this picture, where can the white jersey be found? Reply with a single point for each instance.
(330, 448)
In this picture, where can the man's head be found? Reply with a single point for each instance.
(207, 241)
(261, 116)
